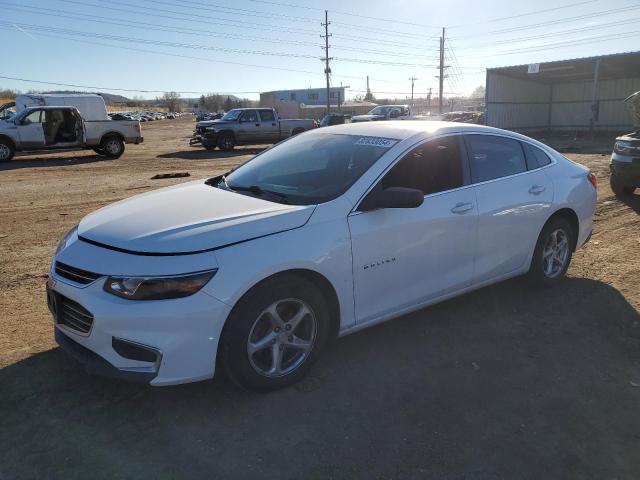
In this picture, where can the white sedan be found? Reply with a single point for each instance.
(329, 232)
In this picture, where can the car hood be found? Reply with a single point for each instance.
(188, 218)
(365, 118)
(208, 123)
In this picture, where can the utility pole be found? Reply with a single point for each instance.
(413, 79)
(327, 70)
(429, 98)
(441, 78)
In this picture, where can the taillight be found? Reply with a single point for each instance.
(592, 179)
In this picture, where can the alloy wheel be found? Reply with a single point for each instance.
(5, 152)
(282, 337)
(555, 253)
(112, 147)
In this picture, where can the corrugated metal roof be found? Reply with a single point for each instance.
(610, 55)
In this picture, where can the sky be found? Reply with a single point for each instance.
(243, 47)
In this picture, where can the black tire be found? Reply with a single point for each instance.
(99, 151)
(112, 147)
(208, 145)
(618, 187)
(226, 141)
(539, 271)
(6, 151)
(250, 310)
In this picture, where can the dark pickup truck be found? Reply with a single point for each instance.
(247, 126)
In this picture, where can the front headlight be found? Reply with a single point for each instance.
(65, 239)
(158, 288)
(624, 148)
(210, 129)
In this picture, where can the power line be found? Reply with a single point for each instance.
(338, 12)
(548, 46)
(537, 12)
(113, 89)
(551, 34)
(137, 40)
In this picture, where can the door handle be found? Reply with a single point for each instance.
(462, 208)
(537, 189)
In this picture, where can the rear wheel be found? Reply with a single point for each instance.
(226, 142)
(552, 255)
(112, 147)
(274, 334)
(619, 187)
(6, 151)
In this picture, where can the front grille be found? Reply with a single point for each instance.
(72, 314)
(75, 274)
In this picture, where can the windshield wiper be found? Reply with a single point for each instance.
(255, 189)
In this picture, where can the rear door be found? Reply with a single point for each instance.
(405, 256)
(269, 128)
(31, 131)
(249, 127)
(514, 201)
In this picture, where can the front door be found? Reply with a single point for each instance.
(30, 130)
(404, 257)
(249, 127)
(513, 204)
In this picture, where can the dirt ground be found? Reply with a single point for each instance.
(506, 382)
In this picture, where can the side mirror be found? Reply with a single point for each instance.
(393, 197)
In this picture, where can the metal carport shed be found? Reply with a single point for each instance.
(578, 94)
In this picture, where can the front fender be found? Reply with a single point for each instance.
(323, 248)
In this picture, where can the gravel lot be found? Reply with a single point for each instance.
(506, 382)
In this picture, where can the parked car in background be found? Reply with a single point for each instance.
(384, 112)
(625, 159)
(334, 119)
(326, 233)
(79, 122)
(247, 126)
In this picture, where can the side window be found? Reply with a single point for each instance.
(536, 158)
(267, 115)
(33, 117)
(494, 157)
(434, 166)
(250, 116)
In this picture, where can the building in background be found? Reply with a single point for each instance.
(581, 94)
(289, 103)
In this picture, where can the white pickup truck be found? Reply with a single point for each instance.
(64, 122)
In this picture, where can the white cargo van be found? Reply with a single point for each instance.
(64, 122)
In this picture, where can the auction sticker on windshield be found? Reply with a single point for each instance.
(376, 142)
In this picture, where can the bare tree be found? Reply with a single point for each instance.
(171, 100)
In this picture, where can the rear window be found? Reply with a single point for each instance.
(267, 115)
(494, 157)
(536, 157)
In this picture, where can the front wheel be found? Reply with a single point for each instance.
(208, 145)
(226, 142)
(274, 334)
(552, 255)
(618, 187)
(6, 151)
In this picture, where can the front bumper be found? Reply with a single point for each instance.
(203, 136)
(626, 167)
(162, 342)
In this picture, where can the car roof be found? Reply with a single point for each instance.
(403, 129)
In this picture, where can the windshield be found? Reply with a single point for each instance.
(232, 115)
(309, 168)
(379, 111)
